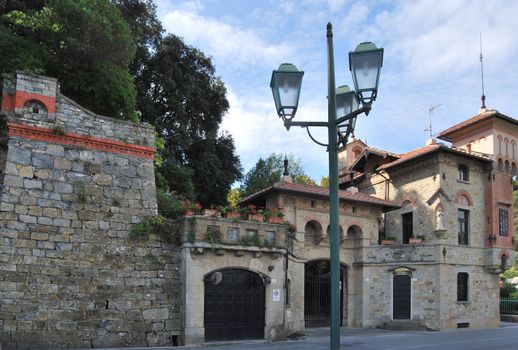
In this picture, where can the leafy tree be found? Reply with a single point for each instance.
(215, 168)
(180, 94)
(86, 44)
(268, 171)
(233, 197)
(324, 181)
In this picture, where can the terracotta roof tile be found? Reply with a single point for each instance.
(445, 135)
(357, 197)
(405, 157)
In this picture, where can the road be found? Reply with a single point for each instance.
(505, 337)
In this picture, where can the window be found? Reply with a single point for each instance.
(233, 234)
(462, 286)
(407, 219)
(463, 233)
(463, 172)
(503, 221)
(270, 237)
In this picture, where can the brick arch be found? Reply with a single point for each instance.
(502, 253)
(408, 201)
(463, 194)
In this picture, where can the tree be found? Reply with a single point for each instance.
(180, 94)
(215, 168)
(86, 44)
(268, 171)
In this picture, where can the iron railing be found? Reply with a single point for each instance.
(508, 306)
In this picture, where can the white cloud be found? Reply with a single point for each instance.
(257, 132)
(228, 44)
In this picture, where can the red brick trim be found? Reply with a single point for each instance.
(11, 102)
(463, 193)
(81, 141)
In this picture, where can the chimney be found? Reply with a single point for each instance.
(431, 141)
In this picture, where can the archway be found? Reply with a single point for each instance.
(317, 289)
(234, 305)
(312, 233)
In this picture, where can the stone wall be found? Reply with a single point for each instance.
(70, 276)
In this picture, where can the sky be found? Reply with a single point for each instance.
(431, 58)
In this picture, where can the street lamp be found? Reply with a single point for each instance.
(365, 64)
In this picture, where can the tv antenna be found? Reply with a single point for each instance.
(430, 110)
(483, 98)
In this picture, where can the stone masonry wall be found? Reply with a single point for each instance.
(69, 274)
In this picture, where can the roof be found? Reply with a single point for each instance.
(355, 197)
(367, 151)
(488, 114)
(405, 157)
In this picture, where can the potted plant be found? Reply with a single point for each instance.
(276, 216)
(254, 215)
(388, 240)
(415, 239)
(231, 213)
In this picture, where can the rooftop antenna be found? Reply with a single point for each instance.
(430, 110)
(483, 98)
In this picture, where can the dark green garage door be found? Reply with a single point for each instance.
(234, 305)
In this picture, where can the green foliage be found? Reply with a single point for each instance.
(252, 240)
(324, 181)
(508, 291)
(215, 167)
(169, 205)
(158, 225)
(86, 44)
(180, 94)
(233, 197)
(268, 171)
(304, 179)
(213, 235)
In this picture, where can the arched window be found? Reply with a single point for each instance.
(313, 233)
(513, 169)
(513, 145)
(500, 166)
(36, 107)
(499, 144)
(506, 147)
(507, 167)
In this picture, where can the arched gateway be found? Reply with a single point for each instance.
(234, 305)
(317, 297)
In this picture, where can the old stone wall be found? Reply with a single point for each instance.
(70, 276)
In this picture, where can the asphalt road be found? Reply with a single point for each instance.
(505, 337)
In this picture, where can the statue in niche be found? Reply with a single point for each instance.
(439, 220)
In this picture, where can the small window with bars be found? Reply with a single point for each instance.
(503, 220)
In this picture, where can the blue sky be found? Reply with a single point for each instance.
(431, 58)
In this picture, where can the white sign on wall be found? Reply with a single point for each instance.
(276, 295)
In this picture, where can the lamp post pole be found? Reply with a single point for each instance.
(334, 251)
(365, 64)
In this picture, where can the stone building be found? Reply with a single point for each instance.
(73, 183)
(426, 242)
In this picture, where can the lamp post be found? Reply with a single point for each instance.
(365, 65)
